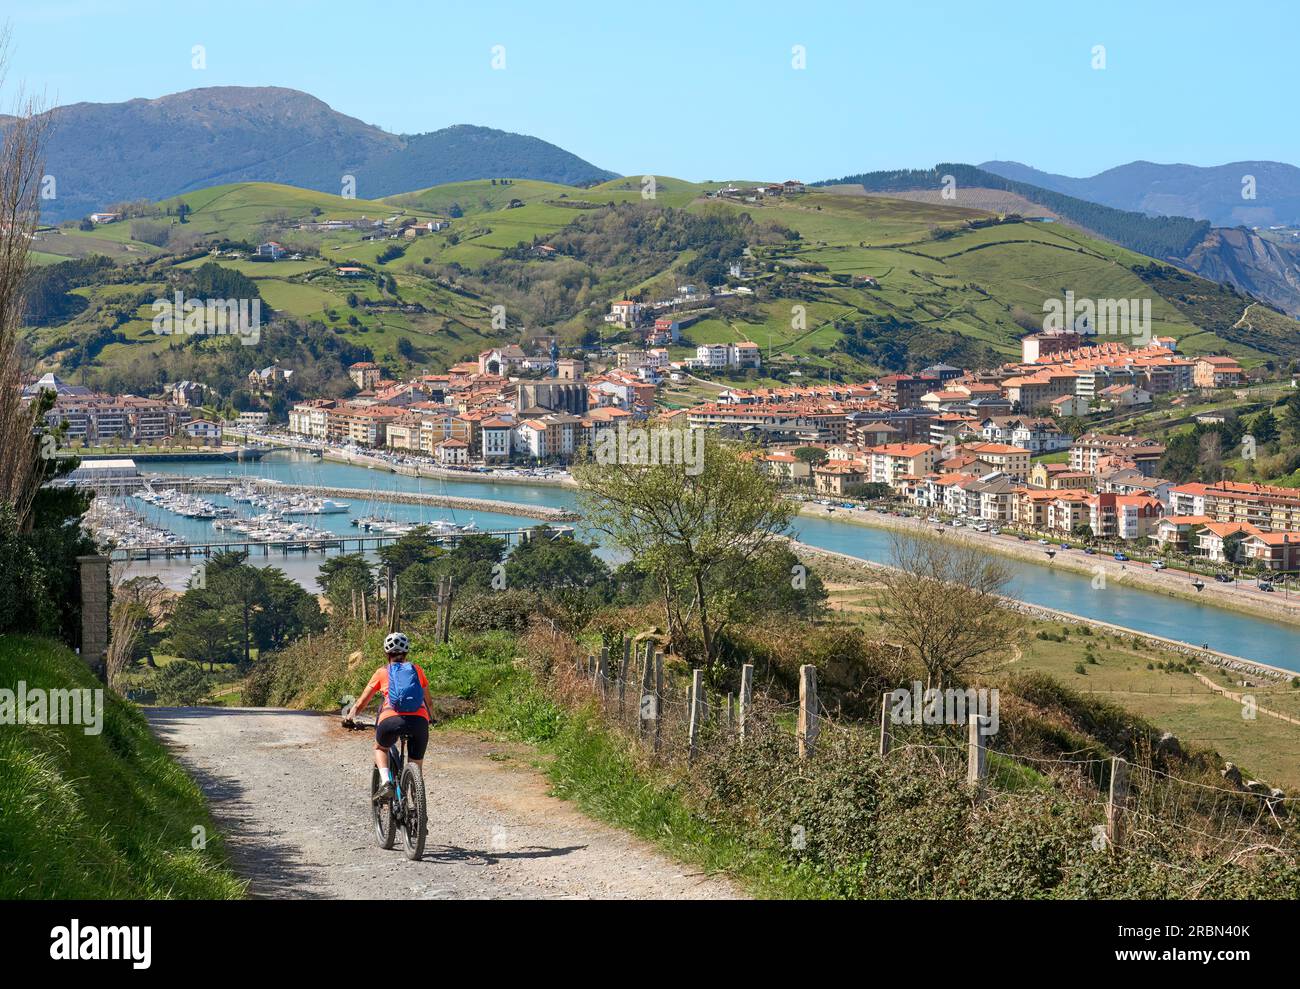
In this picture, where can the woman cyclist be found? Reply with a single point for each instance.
(406, 707)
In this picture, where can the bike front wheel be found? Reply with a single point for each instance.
(415, 812)
(385, 818)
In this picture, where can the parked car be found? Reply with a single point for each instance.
(1264, 585)
(1223, 578)
(1122, 557)
(1158, 564)
(1090, 551)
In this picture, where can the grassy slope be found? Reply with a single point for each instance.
(968, 283)
(1175, 701)
(96, 816)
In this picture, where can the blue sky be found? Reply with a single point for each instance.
(707, 90)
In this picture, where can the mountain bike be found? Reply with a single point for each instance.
(407, 808)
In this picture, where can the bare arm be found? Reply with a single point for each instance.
(362, 701)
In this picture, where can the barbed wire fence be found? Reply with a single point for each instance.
(674, 720)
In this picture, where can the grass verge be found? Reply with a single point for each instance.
(99, 816)
(590, 765)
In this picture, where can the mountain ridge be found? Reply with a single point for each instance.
(155, 148)
(1213, 193)
(1268, 269)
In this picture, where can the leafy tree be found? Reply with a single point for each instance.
(813, 455)
(469, 563)
(417, 546)
(695, 533)
(212, 281)
(544, 563)
(340, 576)
(238, 607)
(181, 684)
(1264, 427)
(1291, 419)
(203, 634)
(285, 611)
(1233, 550)
(869, 489)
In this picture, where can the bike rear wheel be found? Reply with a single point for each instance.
(415, 813)
(385, 819)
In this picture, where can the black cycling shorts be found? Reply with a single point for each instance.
(417, 733)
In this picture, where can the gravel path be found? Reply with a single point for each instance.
(289, 790)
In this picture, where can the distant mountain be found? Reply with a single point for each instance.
(1213, 194)
(1268, 269)
(102, 153)
(1159, 237)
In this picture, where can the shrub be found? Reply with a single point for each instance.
(504, 611)
(180, 684)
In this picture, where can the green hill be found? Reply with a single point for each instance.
(832, 284)
(106, 816)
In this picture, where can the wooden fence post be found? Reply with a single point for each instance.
(1116, 800)
(649, 711)
(886, 736)
(977, 758)
(697, 712)
(622, 686)
(808, 726)
(394, 606)
(445, 596)
(746, 697)
(659, 693)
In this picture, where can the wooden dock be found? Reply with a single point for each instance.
(343, 543)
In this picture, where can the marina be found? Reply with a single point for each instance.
(305, 542)
(1193, 622)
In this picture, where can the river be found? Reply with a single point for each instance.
(1188, 621)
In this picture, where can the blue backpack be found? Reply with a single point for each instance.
(405, 695)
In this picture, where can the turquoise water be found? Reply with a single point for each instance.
(1187, 621)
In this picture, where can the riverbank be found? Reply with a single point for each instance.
(1169, 583)
(1213, 657)
(340, 456)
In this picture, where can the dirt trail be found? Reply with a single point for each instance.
(289, 791)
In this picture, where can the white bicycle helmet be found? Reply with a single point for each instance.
(397, 642)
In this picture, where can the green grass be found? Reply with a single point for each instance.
(1178, 702)
(591, 766)
(1175, 701)
(106, 816)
